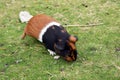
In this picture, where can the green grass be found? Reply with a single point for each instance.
(98, 46)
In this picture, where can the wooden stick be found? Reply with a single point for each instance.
(89, 25)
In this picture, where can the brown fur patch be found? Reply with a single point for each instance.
(59, 40)
(73, 57)
(68, 59)
(72, 39)
(53, 27)
(63, 31)
(36, 24)
(72, 45)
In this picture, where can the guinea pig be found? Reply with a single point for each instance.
(53, 35)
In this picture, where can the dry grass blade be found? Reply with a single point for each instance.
(118, 67)
(89, 25)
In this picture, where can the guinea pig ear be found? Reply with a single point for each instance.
(73, 39)
(59, 46)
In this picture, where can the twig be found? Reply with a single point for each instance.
(89, 25)
(118, 67)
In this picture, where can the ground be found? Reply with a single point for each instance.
(98, 46)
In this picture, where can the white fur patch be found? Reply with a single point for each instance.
(56, 57)
(25, 16)
(51, 52)
(45, 29)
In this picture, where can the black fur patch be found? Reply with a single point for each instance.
(55, 35)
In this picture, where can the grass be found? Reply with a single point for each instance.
(98, 46)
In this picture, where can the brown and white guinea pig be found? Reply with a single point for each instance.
(52, 34)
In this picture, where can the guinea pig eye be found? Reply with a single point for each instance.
(59, 47)
(69, 55)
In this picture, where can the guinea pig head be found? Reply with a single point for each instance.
(67, 49)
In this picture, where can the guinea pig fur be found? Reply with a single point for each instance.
(53, 35)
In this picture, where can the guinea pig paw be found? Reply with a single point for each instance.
(56, 57)
(51, 52)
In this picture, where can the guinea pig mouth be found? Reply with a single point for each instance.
(67, 55)
(70, 58)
